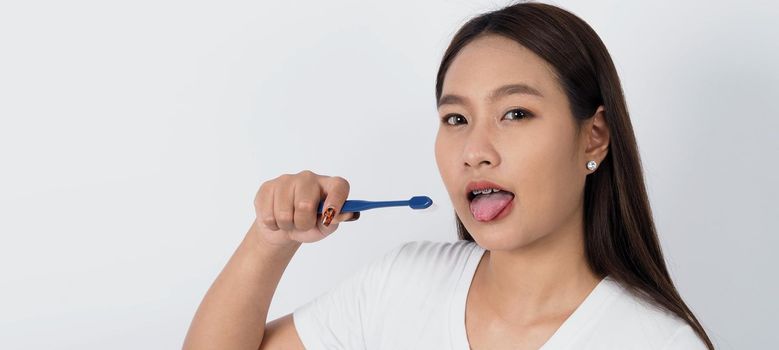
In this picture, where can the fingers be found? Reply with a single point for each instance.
(264, 206)
(336, 190)
(287, 206)
(284, 205)
(307, 196)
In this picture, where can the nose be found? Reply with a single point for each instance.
(479, 149)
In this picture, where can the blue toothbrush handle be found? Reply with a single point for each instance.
(352, 205)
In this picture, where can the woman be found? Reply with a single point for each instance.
(563, 254)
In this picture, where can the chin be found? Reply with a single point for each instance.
(508, 237)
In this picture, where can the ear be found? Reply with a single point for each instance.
(596, 138)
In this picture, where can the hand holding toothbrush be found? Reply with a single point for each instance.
(290, 207)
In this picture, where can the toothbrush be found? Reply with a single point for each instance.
(352, 205)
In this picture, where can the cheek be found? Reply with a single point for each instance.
(444, 161)
(440, 156)
(548, 186)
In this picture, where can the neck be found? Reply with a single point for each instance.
(548, 278)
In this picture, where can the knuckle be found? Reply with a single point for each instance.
(341, 182)
(261, 194)
(284, 216)
(305, 205)
(263, 188)
(269, 221)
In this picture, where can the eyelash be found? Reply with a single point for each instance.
(525, 112)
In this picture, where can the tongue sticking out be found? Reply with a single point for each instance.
(486, 206)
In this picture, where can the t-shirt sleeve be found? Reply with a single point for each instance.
(685, 338)
(337, 319)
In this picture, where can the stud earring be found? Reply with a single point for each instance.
(592, 165)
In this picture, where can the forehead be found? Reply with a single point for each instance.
(491, 61)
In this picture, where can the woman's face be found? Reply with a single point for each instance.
(536, 155)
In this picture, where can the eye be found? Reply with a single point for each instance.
(448, 117)
(520, 113)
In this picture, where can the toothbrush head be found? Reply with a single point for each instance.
(420, 202)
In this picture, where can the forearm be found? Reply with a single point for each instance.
(233, 312)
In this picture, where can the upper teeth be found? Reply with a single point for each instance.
(486, 191)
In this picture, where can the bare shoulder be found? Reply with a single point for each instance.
(281, 334)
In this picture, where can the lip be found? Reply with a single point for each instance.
(482, 184)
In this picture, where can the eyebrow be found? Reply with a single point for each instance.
(504, 90)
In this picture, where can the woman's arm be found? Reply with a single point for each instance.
(233, 312)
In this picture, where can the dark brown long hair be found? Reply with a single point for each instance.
(619, 233)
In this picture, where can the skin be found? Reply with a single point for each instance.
(534, 273)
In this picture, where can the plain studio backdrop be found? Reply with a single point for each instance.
(134, 136)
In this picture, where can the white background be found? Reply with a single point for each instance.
(134, 135)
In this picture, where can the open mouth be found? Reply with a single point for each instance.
(489, 204)
(471, 196)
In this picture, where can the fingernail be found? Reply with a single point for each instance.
(328, 216)
(355, 216)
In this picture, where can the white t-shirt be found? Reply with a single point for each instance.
(413, 297)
